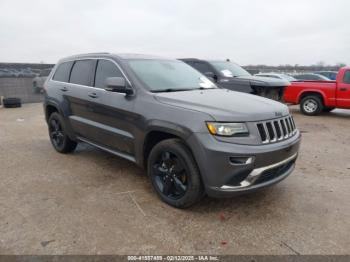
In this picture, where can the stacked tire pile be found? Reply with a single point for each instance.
(11, 102)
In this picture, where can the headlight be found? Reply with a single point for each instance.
(227, 129)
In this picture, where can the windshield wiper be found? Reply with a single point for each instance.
(204, 88)
(171, 90)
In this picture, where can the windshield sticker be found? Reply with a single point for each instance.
(205, 82)
(227, 73)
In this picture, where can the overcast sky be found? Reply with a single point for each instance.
(247, 31)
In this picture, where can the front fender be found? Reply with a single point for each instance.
(168, 127)
(158, 126)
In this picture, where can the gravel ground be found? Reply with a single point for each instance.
(91, 202)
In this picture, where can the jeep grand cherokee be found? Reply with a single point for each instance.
(192, 137)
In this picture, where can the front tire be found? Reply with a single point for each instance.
(311, 105)
(58, 136)
(174, 174)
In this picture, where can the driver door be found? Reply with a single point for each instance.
(343, 91)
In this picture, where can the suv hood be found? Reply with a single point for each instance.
(264, 81)
(226, 105)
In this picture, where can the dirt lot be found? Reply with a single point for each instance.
(91, 202)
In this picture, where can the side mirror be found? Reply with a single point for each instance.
(211, 76)
(118, 85)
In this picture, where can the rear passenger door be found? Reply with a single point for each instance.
(81, 96)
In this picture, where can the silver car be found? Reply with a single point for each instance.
(38, 81)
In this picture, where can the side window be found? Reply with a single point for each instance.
(202, 67)
(82, 72)
(104, 70)
(347, 77)
(62, 72)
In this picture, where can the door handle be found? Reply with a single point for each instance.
(343, 89)
(64, 89)
(93, 95)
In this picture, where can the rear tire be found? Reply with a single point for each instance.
(58, 136)
(311, 105)
(174, 174)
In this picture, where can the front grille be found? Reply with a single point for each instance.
(276, 130)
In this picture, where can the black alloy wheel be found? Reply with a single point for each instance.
(170, 175)
(56, 133)
(59, 139)
(174, 173)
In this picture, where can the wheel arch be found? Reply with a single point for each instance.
(50, 108)
(318, 93)
(159, 131)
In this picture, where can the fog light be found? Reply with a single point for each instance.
(241, 160)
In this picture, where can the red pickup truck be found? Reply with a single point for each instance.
(317, 96)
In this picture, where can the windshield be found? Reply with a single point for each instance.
(169, 75)
(228, 69)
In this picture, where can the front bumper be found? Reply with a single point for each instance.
(263, 165)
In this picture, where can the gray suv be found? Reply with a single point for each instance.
(192, 137)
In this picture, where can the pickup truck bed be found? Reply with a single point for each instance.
(317, 96)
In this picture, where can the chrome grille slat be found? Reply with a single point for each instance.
(291, 126)
(280, 126)
(292, 122)
(276, 130)
(285, 132)
(288, 127)
(295, 128)
(268, 139)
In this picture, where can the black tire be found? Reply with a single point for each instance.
(328, 109)
(311, 105)
(12, 102)
(58, 137)
(186, 184)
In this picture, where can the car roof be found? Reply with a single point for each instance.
(191, 59)
(316, 72)
(275, 74)
(141, 56)
(122, 56)
(206, 60)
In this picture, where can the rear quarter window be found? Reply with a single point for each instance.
(62, 72)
